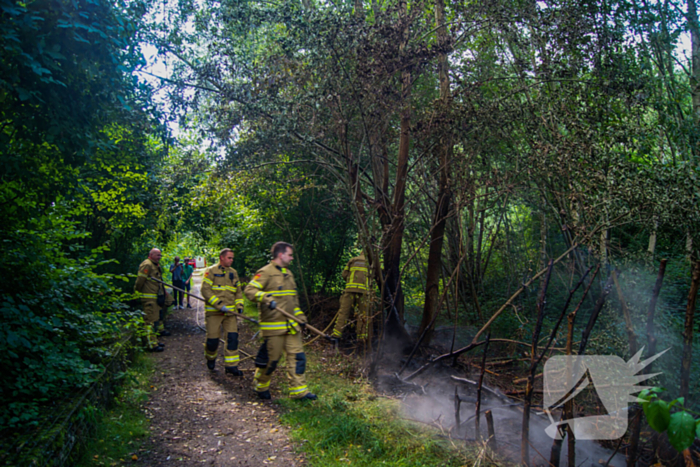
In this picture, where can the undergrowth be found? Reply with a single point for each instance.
(350, 424)
(122, 430)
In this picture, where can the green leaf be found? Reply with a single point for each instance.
(646, 396)
(680, 400)
(681, 430)
(658, 415)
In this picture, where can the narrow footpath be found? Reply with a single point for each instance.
(200, 417)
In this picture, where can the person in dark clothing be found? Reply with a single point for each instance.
(187, 278)
(177, 271)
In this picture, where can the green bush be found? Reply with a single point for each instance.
(59, 319)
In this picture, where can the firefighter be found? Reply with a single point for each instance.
(273, 286)
(224, 298)
(153, 297)
(354, 296)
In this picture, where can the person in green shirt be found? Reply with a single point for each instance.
(187, 279)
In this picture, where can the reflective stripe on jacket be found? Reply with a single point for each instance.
(274, 283)
(356, 274)
(146, 289)
(220, 287)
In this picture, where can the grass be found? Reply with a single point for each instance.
(351, 425)
(122, 430)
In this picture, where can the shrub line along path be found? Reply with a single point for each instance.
(200, 417)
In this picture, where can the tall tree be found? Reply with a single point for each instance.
(443, 152)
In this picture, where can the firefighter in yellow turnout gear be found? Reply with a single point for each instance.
(148, 291)
(354, 296)
(224, 298)
(273, 286)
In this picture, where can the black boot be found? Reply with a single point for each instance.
(308, 397)
(164, 333)
(264, 395)
(234, 371)
(155, 349)
(211, 364)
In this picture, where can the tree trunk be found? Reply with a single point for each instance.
(393, 296)
(444, 153)
(604, 246)
(688, 332)
(543, 245)
(651, 339)
(695, 54)
(688, 246)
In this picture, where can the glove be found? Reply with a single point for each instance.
(303, 327)
(240, 310)
(225, 310)
(272, 305)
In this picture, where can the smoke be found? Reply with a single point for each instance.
(437, 408)
(609, 337)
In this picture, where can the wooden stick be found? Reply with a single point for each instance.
(525, 378)
(525, 435)
(238, 315)
(480, 367)
(492, 433)
(477, 433)
(458, 403)
(308, 326)
(567, 413)
(501, 363)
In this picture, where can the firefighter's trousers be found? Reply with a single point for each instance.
(268, 357)
(151, 315)
(215, 321)
(163, 313)
(348, 301)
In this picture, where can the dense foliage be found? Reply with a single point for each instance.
(80, 147)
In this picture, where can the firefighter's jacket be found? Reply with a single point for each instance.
(147, 289)
(220, 287)
(275, 283)
(355, 275)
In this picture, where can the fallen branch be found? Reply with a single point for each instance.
(414, 385)
(484, 369)
(474, 383)
(459, 352)
(524, 379)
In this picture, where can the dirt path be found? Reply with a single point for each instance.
(200, 417)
